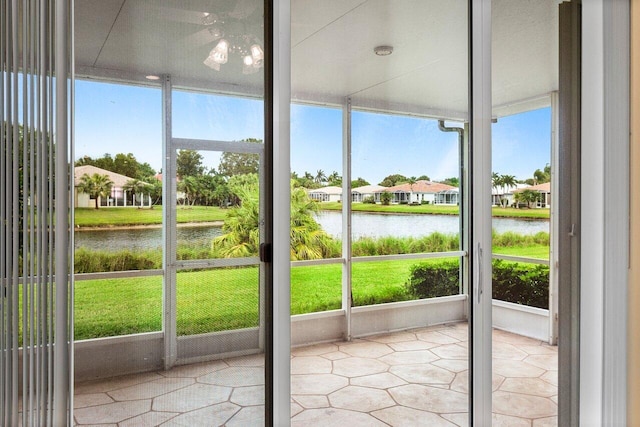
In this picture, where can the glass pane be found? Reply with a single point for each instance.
(525, 75)
(316, 165)
(118, 212)
(404, 210)
(400, 66)
(212, 54)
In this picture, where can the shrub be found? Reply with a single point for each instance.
(385, 198)
(434, 279)
(515, 282)
(370, 200)
(87, 261)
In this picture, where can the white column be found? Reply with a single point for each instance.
(346, 216)
(553, 223)
(281, 213)
(480, 250)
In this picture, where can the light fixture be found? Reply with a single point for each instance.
(152, 77)
(383, 50)
(232, 39)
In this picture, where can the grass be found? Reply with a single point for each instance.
(435, 210)
(222, 299)
(104, 217)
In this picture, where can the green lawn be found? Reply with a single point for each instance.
(222, 299)
(104, 217)
(435, 209)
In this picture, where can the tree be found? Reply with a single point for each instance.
(424, 178)
(496, 180)
(137, 187)
(542, 176)
(320, 177)
(411, 181)
(307, 181)
(95, 186)
(527, 196)
(359, 182)
(507, 182)
(232, 164)
(454, 181)
(385, 198)
(189, 186)
(189, 163)
(124, 164)
(242, 232)
(391, 180)
(334, 179)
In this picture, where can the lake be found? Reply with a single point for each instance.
(362, 224)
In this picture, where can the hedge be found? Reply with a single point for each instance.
(520, 283)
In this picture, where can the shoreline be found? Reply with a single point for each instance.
(146, 226)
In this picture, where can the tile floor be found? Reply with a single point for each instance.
(412, 378)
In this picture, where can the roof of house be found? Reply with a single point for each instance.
(368, 189)
(420, 186)
(332, 189)
(117, 179)
(541, 188)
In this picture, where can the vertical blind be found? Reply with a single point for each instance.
(34, 213)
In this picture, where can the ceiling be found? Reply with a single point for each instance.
(332, 56)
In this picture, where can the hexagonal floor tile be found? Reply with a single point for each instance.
(215, 415)
(400, 416)
(334, 417)
(248, 396)
(430, 399)
(532, 386)
(310, 365)
(409, 357)
(368, 349)
(235, 377)
(112, 412)
(362, 399)
(195, 396)
(317, 383)
(524, 406)
(150, 389)
(382, 381)
(423, 374)
(357, 367)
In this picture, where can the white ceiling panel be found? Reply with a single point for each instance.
(332, 49)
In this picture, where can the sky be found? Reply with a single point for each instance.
(113, 118)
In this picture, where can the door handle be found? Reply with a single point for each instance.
(479, 281)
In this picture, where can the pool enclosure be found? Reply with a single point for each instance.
(228, 81)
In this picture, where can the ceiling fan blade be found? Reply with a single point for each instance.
(181, 15)
(199, 38)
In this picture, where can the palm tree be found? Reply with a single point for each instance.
(135, 186)
(496, 181)
(507, 181)
(241, 226)
(189, 186)
(95, 186)
(320, 176)
(334, 179)
(411, 181)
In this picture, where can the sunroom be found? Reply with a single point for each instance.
(251, 286)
